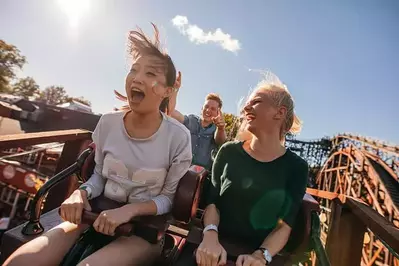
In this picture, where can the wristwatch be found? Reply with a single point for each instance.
(266, 255)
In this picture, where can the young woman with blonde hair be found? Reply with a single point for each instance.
(257, 184)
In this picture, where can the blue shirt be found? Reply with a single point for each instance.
(202, 140)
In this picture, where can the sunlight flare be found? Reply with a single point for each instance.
(75, 10)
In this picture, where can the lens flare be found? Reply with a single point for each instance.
(75, 10)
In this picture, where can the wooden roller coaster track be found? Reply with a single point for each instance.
(360, 168)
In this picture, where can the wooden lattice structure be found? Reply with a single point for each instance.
(361, 168)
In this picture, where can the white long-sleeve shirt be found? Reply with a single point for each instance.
(135, 170)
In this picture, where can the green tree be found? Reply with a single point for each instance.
(54, 95)
(232, 125)
(10, 60)
(57, 95)
(80, 100)
(26, 87)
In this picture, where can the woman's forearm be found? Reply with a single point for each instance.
(277, 239)
(211, 215)
(141, 208)
(96, 183)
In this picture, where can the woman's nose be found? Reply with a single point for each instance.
(138, 78)
(247, 107)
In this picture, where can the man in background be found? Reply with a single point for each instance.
(207, 130)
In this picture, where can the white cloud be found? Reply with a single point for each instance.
(197, 35)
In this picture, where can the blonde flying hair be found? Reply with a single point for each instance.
(279, 95)
(215, 97)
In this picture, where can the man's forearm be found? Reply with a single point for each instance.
(172, 108)
(172, 102)
(220, 136)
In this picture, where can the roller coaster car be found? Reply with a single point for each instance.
(181, 228)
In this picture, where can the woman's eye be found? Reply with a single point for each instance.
(150, 74)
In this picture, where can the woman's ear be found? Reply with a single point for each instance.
(281, 113)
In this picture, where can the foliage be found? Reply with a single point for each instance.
(54, 95)
(57, 95)
(232, 125)
(10, 60)
(80, 100)
(26, 88)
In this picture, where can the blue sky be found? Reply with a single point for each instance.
(340, 59)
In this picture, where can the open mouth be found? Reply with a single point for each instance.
(136, 95)
(207, 114)
(249, 117)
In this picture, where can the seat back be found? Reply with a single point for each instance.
(187, 195)
(88, 166)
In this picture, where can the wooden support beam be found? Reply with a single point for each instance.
(325, 194)
(345, 238)
(29, 139)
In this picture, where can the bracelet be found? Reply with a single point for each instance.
(87, 189)
(210, 227)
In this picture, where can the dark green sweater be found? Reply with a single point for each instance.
(252, 196)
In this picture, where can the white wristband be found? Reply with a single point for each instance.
(210, 227)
